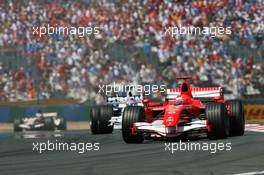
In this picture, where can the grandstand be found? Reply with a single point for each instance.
(131, 47)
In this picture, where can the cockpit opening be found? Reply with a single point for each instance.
(184, 87)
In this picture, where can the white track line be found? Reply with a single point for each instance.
(251, 173)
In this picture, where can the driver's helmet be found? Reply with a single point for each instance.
(130, 97)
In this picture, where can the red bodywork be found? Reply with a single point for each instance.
(182, 109)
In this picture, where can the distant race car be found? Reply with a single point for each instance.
(186, 111)
(106, 118)
(41, 121)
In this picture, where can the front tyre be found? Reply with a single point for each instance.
(131, 115)
(218, 121)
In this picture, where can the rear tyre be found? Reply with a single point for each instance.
(237, 119)
(49, 124)
(62, 125)
(100, 116)
(94, 114)
(131, 115)
(17, 122)
(216, 114)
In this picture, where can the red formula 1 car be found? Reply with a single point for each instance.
(186, 110)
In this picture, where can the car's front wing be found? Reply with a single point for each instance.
(157, 127)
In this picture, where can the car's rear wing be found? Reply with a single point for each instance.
(197, 92)
(123, 99)
(49, 114)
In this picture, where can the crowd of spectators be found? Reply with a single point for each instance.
(73, 66)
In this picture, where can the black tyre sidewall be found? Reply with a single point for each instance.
(216, 114)
(62, 125)
(131, 115)
(17, 122)
(237, 119)
(100, 116)
(106, 112)
(95, 116)
(49, 123)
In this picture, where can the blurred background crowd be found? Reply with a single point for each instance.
(131, 47)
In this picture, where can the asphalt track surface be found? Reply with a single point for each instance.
(117, 157)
